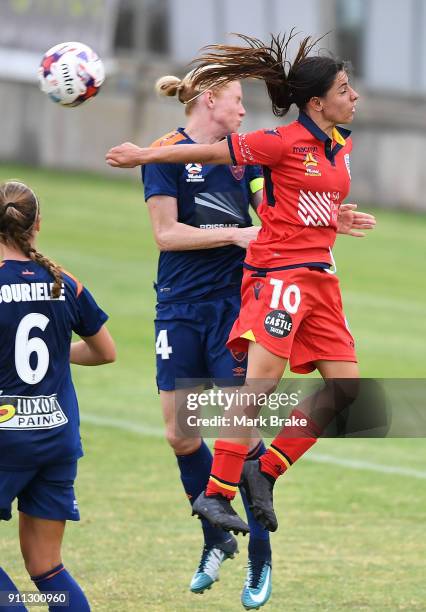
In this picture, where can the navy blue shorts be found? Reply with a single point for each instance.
(46, 492)
(191, 343)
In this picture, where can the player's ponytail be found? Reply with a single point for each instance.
(185, 89)
(168, 85)
(19, 214)
(182, 88)
(287, 82)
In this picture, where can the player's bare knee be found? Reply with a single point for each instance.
(345, 391)
(37, 564)
(180, 445)
(263, 386)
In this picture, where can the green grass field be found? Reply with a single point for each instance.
(351, 533)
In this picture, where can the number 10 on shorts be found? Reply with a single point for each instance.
(290, 296)
(162, 346)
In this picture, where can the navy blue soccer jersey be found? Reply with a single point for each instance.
(39, 419)
(208, 196)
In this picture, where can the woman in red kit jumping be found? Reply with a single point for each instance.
(291, 305)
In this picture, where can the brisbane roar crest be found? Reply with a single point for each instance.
(237, 172)
(239, 355)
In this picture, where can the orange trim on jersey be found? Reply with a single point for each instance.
(79, 285)
(169, 139)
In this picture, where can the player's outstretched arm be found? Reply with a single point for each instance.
(94, 350)
(129, 155)
(171, 235)
(352, 222)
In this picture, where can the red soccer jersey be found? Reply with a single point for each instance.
(307, 177)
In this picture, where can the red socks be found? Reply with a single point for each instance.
(228, 461)
(290, 444)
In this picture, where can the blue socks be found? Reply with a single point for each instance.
(7, 586)
(194, 474)
(259, 542)
(58, 579)
(259, 549)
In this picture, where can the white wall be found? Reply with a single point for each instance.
(195, 23)
(390, 42)
(421, 29)
(192, 25)
(394, 36)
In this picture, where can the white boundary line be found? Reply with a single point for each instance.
(357, 464)
(143, 430)
(354, 464)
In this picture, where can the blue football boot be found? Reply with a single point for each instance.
(211, 559)
(258, 586)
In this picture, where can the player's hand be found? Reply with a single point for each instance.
(244, 235)
(126, 155)
(350, 221)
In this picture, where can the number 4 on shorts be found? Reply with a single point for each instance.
(162, 346)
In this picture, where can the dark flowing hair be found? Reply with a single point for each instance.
(19, 213)
(288, 82)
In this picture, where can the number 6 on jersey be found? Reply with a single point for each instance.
(25, 346)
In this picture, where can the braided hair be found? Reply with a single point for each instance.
(287, 82)
(19, 213)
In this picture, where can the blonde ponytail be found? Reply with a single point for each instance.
(168, 85)
(186, 91)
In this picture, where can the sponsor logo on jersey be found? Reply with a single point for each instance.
(257, 288)
(315, 208)
(278, 323)
(311, 165)
(304, 150)
(239, 371)
(7, 412)
(237, 172)
(217, 225)
(25, 412)
(194, 173)
(347, 159)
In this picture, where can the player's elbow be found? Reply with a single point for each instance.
(165, 240)
(107, 354)
(110, 355)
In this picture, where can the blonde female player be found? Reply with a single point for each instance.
(201, 223)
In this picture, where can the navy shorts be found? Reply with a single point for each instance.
(46, 492)
(191, 343)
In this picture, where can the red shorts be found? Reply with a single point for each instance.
(296, 314)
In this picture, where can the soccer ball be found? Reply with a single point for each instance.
(70, 73)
